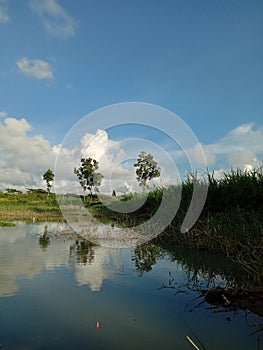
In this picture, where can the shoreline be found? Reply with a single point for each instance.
(29, 216)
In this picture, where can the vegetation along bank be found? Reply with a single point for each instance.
(230, 222)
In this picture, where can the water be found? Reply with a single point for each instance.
(52, 294)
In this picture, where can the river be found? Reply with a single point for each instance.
(61, 293)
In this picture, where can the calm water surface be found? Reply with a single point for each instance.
(52, 294)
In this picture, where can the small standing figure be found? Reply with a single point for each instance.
(114, 193)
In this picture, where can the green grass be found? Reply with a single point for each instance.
(230, 223)
(6, 224)
(29, 206)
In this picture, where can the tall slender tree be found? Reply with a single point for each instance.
(89, 179)
(48, 176)
(147, 169)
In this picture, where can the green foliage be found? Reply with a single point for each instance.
(13, 190)
(48, 176)
(28, 205)
(36, 191)
(85, 251)
(6, 224)
(145, 256)
(147, 169)
(89, 179)
(236, 189)
(44, 242)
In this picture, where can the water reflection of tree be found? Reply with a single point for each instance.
(145, 256)
(198, 265)
(85, 251)
(210, 267)
(213, 266)
(44, 239)
(218, 284)
(44, 242)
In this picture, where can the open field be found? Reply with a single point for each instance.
(30, 207)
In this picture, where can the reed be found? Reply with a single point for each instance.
(230, 223)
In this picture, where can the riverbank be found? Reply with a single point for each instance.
(34, 207)
(230, 222)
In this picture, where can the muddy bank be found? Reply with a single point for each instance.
(231, 299)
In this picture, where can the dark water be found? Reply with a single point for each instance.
(53, 292)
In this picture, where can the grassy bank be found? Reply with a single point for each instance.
(230, 223)
(29, 206)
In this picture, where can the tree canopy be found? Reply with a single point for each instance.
(147, 169)
(89, 179)
(48, 176)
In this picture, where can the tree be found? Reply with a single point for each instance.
(147, 169)
(36, 191)
(89, 179)
(13, 190)
(48, 176)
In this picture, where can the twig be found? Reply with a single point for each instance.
(192, 342)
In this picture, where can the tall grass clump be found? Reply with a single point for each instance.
(237, 188)
(231, 220)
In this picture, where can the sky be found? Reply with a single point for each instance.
(63, 60)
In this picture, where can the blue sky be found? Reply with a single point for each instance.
(61, 60)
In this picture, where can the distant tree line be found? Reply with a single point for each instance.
(90, 179)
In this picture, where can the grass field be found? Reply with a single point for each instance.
(30, 207)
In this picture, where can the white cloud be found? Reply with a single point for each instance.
(23, 158)
(37, 69)
(3, 114)
(202, 155)
(240, 147)
(125, 188)
(242, 129)
(219, 173)
(3, 12)
(107, 152)
(56, 20)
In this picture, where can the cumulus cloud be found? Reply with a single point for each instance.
(98, 146)
(56, 20)
(23, 158)
(37, 69)
(125, 188)
(202, 155)
(3, 12)
(242, 129)
(241, 147)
